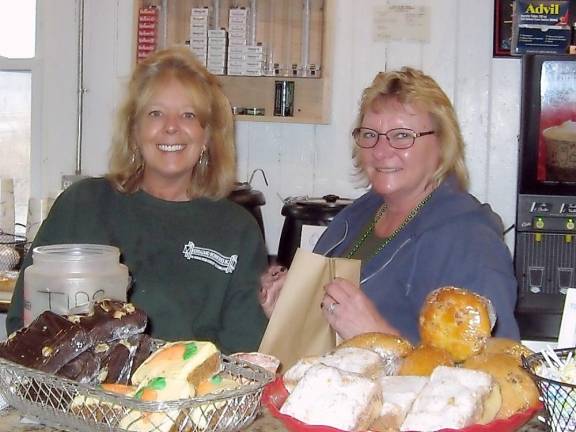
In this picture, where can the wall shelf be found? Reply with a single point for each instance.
(312, 95)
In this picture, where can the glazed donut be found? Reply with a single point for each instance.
(456, 320)
(516, 386)
(423, 359)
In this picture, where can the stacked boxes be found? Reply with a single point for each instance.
(254, 60)
(199, 33)
(237, 39)
(243, 59)
(217, 52)
(147, 31)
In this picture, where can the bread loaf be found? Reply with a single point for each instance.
(456, 320)
(498, 345)
(423, 360)
(518, 390)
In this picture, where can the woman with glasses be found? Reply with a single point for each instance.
(416, 229)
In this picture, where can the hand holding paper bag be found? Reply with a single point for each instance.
(297, 327)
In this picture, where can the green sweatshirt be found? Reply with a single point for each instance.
(195, 265)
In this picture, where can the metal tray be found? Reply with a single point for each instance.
(48, 398)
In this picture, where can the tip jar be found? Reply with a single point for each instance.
(69, 278)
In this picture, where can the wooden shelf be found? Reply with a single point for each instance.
(258, 92)
(312, 96)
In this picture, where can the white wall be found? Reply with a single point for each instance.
(299, 159)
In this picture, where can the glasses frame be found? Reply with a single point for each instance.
(415, 135)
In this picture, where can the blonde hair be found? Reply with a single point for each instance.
(215, 172)
(411, 86)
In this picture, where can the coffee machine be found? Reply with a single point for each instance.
(545, 243)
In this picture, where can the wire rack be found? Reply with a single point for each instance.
(11, 250)
(559, 398)
(68, 405)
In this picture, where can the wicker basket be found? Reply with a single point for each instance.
(559, 398)
(68, 405)
(12, 249)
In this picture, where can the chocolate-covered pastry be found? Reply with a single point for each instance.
(143, 351)
(112, 320)
(123, 358)
(83, 368)
(48, 343)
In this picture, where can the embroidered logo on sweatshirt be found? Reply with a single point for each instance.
(210, 256)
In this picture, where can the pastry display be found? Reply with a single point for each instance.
(134, 383)
(459, 376)
(456, 320)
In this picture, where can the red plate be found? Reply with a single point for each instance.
(275, 394)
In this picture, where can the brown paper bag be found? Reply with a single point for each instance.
(297, 327)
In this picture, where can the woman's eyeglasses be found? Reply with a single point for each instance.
(399, 138)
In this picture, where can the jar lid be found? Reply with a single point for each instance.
(75, 252)
(329, 200)
(310, 209)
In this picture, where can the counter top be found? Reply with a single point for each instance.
(10, 422)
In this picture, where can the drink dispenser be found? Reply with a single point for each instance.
(69, 278)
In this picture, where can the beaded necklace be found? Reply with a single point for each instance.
(389, 238)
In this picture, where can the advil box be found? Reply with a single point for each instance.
(541, 26)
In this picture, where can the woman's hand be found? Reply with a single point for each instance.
(350, 312)
(271, 283)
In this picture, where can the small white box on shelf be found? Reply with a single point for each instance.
(216, 48)
(237, 35)
(200, 12)
(237, 27)
(235, 63)
(217, 58)
(215, 64)
(237, 42)
(238, 12)
(197, 33)
(217, 33)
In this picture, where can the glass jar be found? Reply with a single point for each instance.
(69, 278)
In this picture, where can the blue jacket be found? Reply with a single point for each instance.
(454, 240)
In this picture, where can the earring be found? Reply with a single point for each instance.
(203, 160)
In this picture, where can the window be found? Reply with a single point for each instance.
(17, 60)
